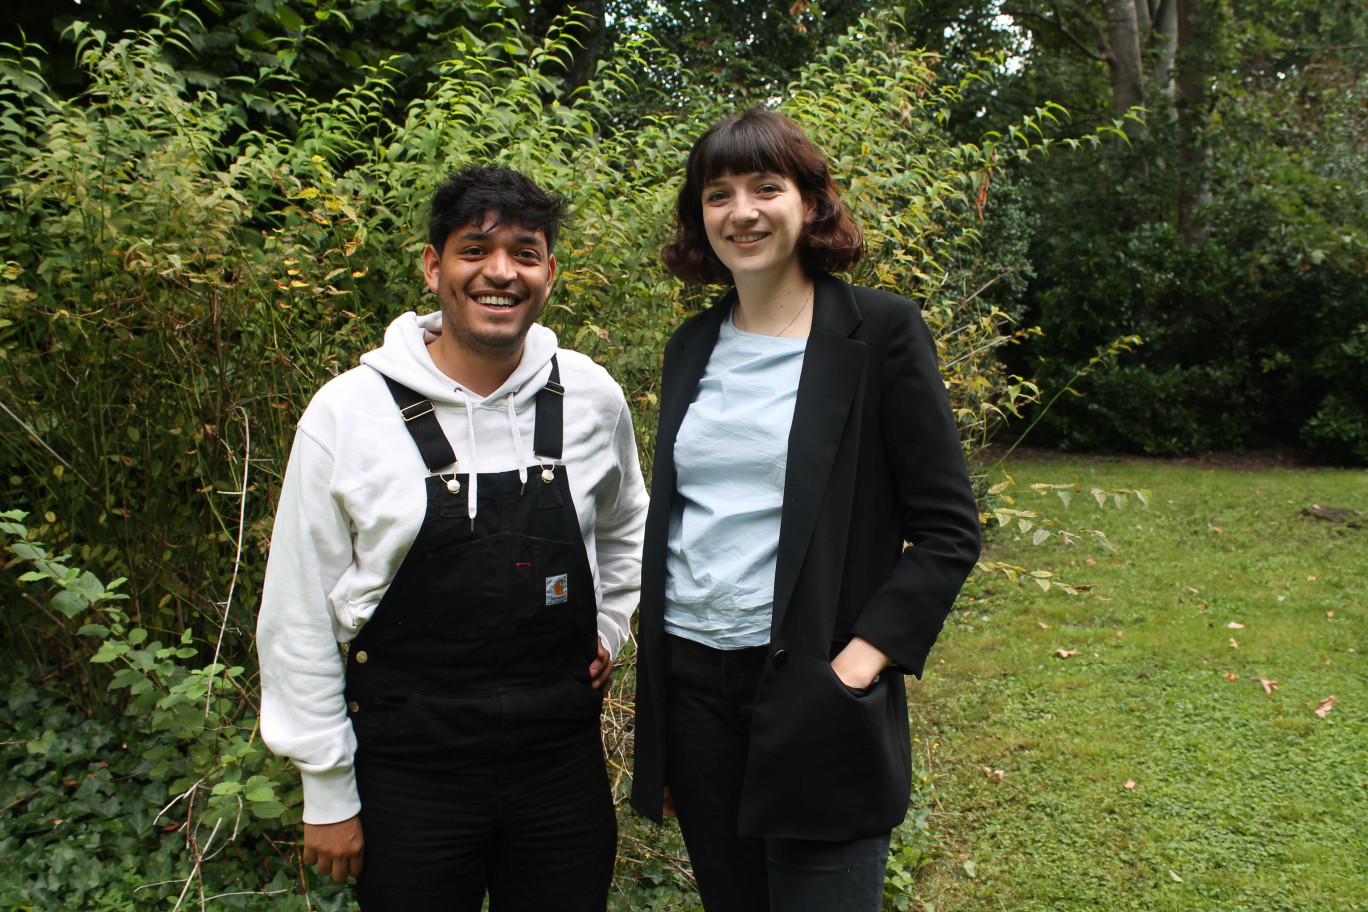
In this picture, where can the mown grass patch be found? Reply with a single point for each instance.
(1240, 797)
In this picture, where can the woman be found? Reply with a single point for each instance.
(805, 436)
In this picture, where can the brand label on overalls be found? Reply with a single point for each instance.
(557, 589)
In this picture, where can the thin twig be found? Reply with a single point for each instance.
(26, 797)
(237, 561)
(34, 434)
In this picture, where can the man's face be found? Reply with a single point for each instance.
(492, 282)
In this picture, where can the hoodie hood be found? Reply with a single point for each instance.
(404, 357)
(491, 423)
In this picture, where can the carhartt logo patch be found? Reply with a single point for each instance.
(557, 589)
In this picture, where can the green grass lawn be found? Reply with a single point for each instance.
(1151, 769)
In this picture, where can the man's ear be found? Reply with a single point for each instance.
(432, 268)
(550, 272)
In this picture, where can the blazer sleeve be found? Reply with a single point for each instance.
(935, 499)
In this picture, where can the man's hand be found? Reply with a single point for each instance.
(334, 848)
(601, 669)
(859, 664)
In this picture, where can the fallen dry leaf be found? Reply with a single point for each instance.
(1324, 706)
(1176, 878)
(1065, 653)
(1330, 613)
(1201, 607)
(1310, 579)
(1130, 783)
(1043, 625)
(1090, 562)
(1231, 676)
(1235, 625)
(995, 775)
(1233, 644)
(1268, 686)
(1120, 634)
(1193, 591)
(1325, 661)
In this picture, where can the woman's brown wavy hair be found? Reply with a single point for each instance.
(761, 140)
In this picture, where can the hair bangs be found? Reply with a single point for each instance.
(746, 145)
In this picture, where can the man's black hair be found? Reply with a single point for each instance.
(468, 194)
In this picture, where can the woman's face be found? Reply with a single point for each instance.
(754, 221)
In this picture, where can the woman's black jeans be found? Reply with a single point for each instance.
(709, 703)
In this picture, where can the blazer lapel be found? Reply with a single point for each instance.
(832, 367)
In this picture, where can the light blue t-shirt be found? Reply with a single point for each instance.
(730, 457)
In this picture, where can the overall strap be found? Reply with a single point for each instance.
(549, 436)
(420, 419)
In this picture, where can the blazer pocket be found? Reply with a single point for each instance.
(858, 693)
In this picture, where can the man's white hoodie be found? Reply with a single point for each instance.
(353, 499)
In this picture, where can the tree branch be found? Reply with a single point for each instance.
(1058, 25)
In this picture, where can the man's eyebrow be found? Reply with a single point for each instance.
(530, 239)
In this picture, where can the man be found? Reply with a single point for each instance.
(454, 563)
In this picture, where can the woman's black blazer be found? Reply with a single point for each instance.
(874, 461)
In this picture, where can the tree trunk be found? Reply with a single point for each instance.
(1123, 58)
(590, 37)
(1164, 38)
(1194, 187)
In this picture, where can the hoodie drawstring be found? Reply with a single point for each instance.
(517, 439)
(473, 476)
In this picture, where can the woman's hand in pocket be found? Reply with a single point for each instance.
(859, 664)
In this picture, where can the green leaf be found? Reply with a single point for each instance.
(28, 552)
(70, 603)
(108, 652)
(289, 19)
(97, 630)
(90, 584)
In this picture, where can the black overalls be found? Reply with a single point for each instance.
(479, 761)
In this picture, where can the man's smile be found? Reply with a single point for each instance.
(491, 299)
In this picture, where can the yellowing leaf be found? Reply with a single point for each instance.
(1176, 878)
(1040, 536)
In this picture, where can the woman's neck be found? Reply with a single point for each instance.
(769, 307)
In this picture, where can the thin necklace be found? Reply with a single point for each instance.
(806, 300)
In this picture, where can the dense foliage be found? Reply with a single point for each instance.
(1228, 230)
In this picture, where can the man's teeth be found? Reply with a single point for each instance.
(495, 301)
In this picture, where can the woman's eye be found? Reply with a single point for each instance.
(715, 197)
